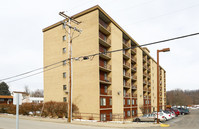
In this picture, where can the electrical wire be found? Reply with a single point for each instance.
(34, 74)
(93, 55)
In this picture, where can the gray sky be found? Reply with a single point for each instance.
(22, 21)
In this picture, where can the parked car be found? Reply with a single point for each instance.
(167, 116)
(170, 113)
(183, 111)
(175, 110)
(150, 117)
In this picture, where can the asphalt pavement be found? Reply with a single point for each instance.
(190, 121)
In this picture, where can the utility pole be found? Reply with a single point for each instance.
(67, 22)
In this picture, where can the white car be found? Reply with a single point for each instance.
(167, 116)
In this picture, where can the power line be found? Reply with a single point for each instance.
(31, 71)
(93, 55)
(34, 74)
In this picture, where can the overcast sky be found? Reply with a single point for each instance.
(21, 37)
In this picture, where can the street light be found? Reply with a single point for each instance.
(158, 81)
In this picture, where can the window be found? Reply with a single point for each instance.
(128, 113)
(64, 50)
(145, 101)
(1, 99)
(136, 102)
(133, 102)
(124, 92)
(110, 101)
(102, 101)
(124, 102)
(103, 117)
(124, 114)
(110, 116)
(124, 82)
(64, 62)
(124, 72)
(133, 112)
(105, 63)
(128, 102)
(64, 87)
(64, 38)
(64, 75)
(65, 99)
(105, 89)
(105, 76)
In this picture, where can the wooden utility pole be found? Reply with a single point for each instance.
(67, 22)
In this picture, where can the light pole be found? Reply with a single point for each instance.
(158, 81)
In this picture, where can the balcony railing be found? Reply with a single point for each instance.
(144, 82)
(144, 59)
(134, 95)
(104, 52)
(127, 84)
(126, 54)
(133, 51)
(107, 66)
(134, 68)
(106, 80)
(105, 40)
(144, 66)
(126, 43)
(109, 92)
(105, 25)
(127, 95)
(134, 87)
(145, 74)
(127, 64)
(133, 59)
(126, 74)
(134, 77)
(145, 89)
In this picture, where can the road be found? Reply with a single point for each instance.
(190, 121)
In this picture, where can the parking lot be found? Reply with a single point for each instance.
(190, 121)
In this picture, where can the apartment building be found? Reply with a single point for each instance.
(110, 86)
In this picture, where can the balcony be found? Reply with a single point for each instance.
(133, 59)
(149, 70)
(134, 95)
(126, 55)
(144, 82)
(134, 87)
(145, 74)
(104, 40)
(105, 81)
(145, 89)
(144, 60)
(126, 75)
(133, 68)
(104, 27)
(144, 67)
(126, 94)
(106, 68)
(126, 65)
(104, 54)
(134, 77)
(126, 85)
(133, 51)
(126, 44)
(149, 83)
(109, 92)
(148, 63)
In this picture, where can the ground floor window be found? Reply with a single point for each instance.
(128, 113)
(103, 117)
(133, 112)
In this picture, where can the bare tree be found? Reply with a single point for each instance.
(37, 93)
(26, 89)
